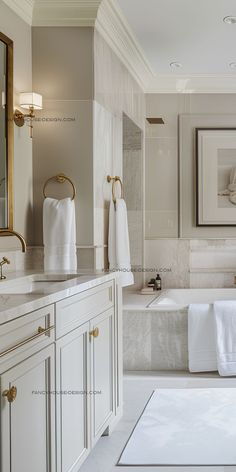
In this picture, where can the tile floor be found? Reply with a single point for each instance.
(138, 387)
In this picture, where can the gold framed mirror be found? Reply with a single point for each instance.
(6, 132)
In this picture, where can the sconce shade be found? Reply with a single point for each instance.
(31, 100)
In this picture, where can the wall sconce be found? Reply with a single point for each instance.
(30, 101)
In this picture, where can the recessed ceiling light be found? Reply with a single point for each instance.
(232, 65)
(175, 65)
(230, 20)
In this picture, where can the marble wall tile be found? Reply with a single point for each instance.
(193, 263)
(135, 224)
(209, 280)
(161, 223)
(102, 154)
(213, 254)
(170, 257)
(133, 177)
(115, 88)
(168, 107)
(161, 187)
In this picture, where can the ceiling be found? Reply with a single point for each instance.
(191, 32)
(147, 35)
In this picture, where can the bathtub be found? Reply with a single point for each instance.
(156, 327)
(178, 299)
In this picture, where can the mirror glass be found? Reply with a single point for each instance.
(6, 132)
(3, 137)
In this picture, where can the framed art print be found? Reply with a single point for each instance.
(216, 176)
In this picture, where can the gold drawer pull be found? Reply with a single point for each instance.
(10, 394)
(41, 331)
(94, 333)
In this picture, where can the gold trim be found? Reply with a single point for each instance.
(39, 333)
(60, 178)
(10, 394)
(114, 180)
(10, 129)
(94, 332)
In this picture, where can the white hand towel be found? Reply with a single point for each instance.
(118, 242)
(59, 235)
(201, 338)
(225, 322)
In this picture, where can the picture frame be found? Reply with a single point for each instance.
(216, 176)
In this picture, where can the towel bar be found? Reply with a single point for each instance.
(60, 178)
(114, 180)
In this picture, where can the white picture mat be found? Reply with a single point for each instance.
(195, 427)
(209, 143)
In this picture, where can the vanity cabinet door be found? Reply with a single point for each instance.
(72, 374)
(28, 415)
(102, 372)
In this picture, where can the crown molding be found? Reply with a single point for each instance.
(199, 83)
(114, 28)
(65, 12)
(23, 8)
(108, 19)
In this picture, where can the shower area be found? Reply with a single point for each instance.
(133, 163)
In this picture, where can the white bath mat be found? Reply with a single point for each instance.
(192, 427)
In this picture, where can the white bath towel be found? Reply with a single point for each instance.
(59, 235)
(201, 338)
(118, 242)
(225, 324)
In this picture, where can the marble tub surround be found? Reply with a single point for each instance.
(152, 339)
(15, 305)
(155, 340)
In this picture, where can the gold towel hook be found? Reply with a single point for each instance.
(114, 180)
(60, 178)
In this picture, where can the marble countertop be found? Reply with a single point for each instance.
(15, 305)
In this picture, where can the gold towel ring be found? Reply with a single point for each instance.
(60, 178)
(114, 180)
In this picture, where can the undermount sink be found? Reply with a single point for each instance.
(38, 283)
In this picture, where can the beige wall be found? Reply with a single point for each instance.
(79, 76)
(63, 73)
(20, 33)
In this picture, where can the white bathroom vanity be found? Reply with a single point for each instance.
(60, 368)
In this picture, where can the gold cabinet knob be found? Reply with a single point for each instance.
(41, 330)
(94, 333)
(10, 394)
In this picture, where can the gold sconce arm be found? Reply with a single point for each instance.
(30, 101)
(19, 119)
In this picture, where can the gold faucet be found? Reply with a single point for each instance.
(9, 232)
(2, 263)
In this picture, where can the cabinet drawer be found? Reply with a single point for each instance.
(74, 311)
(22, 334)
